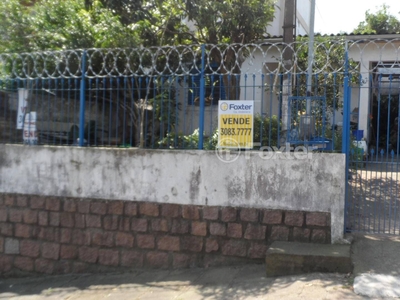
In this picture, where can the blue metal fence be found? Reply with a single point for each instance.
(162, 97)
(166, 97)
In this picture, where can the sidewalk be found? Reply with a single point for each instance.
(244, 282)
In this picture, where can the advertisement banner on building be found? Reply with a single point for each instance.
(30, 134)
(22, 104)
(235, 124)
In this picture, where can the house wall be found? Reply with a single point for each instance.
(302, 18)
(67, 209)
(365, 53)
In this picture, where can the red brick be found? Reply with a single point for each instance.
(234, 248)
(123, 239)
(131, 259)
(5, 263)
(80, 221)
(44, 266)
(130, 209)
(88, 254)
(24, 263)
(65, 235)
(43, 218)
(272, 217)
(67, 219)
(93, 221)
(111, 222)
(80, 237)
(68, 252)
(15, 215)
(192, 243)
(159, 225)
(54, 219)
(145, 241)
(180, 226)
(79, 267)
(9, 200)
(100, 238)
(53, 204)
(57, 234)
(301, 234)
(235, 230)
(108, 257)
(199, 228)
(3, 215)
(46, 233)
(139, 225)
(318, 236)
(98, 208)
(169, 243)
(190, 212)
(182, 260)
(23, 231)
(124, 224)
(22, 201)
(157, 260)
(170, 210)
(69, 205)
(228, 214)
(255, 232)
(210, 213)
(62, 267)
(257, 250)
(29, 248)
(218, 229)
(37, 202)
(83, 207)
(294, 218)
(249, 215)
(116, 207)
(211, 245)
(149, 209)
(317, 219)
(51, 250)
(6, 229)
(279, 233)
(1, 244)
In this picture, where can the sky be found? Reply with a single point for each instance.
(335, 16)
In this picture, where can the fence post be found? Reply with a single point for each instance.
(346, 132)
(82, 102)
(202, 92)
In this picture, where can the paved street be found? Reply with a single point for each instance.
(246, 282)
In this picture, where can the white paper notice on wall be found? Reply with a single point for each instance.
(30, 134)
(22, 104)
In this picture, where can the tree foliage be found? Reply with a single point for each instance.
(57, 24)
(380, 22)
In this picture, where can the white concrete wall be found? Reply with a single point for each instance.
(316, 183)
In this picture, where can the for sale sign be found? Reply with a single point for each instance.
(235, 124)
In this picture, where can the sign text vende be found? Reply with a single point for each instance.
(235, 124)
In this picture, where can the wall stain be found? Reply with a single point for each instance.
(195, 180)
(235, 189)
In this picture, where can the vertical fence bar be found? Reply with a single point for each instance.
(346, 132)
(202, 90)
(82, 103)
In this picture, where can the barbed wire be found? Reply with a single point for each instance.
(233, 59)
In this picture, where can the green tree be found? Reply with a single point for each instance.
(58, 24)
(380, 22)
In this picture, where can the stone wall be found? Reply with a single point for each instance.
(57, 235)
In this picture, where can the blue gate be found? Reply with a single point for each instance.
(371, 141)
